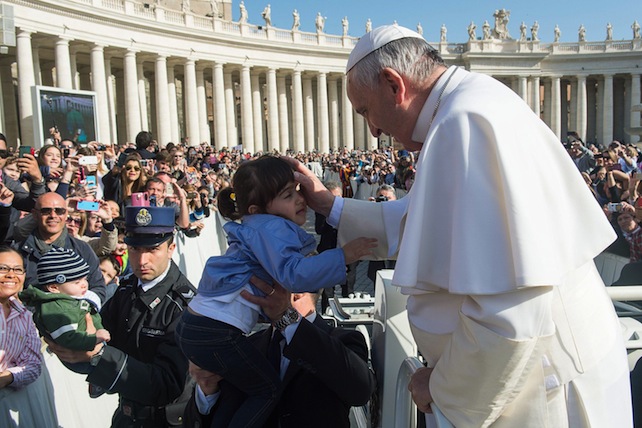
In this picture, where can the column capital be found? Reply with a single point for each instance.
(21, 32)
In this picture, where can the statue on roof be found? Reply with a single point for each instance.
(501, 24)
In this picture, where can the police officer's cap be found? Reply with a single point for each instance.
(148, 226)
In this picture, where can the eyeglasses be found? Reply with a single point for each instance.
(74, 220)
(47, 211)
(6, 269)
(135, 168)
(66, 147)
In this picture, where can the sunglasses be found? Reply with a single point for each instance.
(73, 220)
(4, 154)
(47, 211)
(135, 168)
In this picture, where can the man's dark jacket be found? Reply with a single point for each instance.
(328, 373)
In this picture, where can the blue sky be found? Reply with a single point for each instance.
(456, 15)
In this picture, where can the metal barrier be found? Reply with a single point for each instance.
(405, 409)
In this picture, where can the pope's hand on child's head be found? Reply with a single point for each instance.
(316, 195)
(358, 248)
(275, 302)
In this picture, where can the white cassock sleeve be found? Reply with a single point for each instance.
(381, 220)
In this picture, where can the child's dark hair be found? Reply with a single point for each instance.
(256, 182)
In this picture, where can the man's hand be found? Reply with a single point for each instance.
(275, 302)
(6, 195)
(208, 381)
(316, 195)
(419, 387)
(29, 164)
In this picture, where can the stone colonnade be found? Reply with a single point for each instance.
(266, 107)
(259, 107)
(596, 106)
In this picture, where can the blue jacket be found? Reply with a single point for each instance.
(271, 247)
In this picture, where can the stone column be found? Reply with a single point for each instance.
(556, 107)
(220, 122)
(322, 112)
(348, 126)
(635, 101)
(35, 47)
(201, 99)
(333, 99)
(247, 121)
(308, 111)
(581, 106)
(163, 116)
(297, 112)
(9, 110)
(360, 130)
(191, 103)
(142, 95)
(121, 108)
(284, 124)
(26, 79)
(63, 64)
(173, 103)
(273, 111)
(73, 64)
(257, 111)
(547, 102)
(132, 101)
(111, 101)
(572, 106)
(373, 142)
(99, 85)
(535, 100)
(230, 109)
(522, 88)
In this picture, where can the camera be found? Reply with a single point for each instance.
(381, 199)
(614, 207)
(65, 153)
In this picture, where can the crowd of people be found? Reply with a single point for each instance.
(65, 214)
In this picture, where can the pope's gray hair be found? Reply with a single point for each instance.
(410, 56)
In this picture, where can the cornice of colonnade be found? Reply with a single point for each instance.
(90, 24)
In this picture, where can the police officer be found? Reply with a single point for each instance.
(142, 362)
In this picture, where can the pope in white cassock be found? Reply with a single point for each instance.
(494, 244)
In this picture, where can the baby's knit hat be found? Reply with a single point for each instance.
(60, 265)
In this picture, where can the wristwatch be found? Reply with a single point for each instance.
(291, 316)
(94, 359)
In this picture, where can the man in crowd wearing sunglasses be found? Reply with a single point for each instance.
(50, 214)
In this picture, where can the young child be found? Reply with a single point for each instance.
(62, 300)
(270, 244)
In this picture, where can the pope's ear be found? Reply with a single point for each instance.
(395, 83)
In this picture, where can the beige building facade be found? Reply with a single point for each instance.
(193, 74)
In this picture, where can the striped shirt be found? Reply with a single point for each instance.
(19, 345)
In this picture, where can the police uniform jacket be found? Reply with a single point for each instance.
(142, 362)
